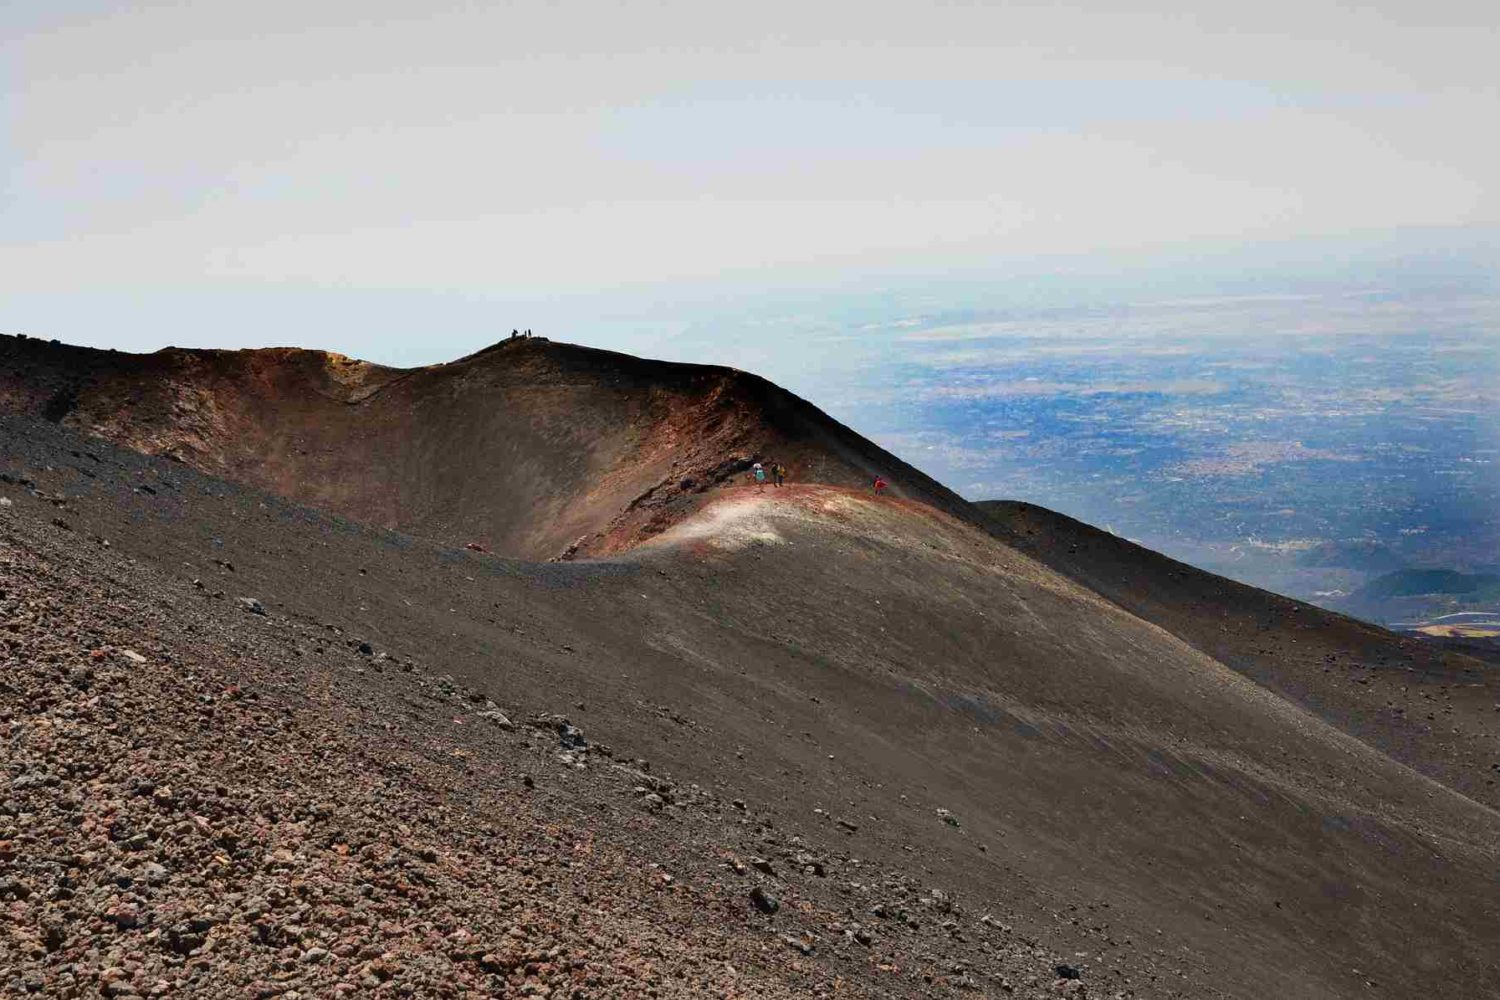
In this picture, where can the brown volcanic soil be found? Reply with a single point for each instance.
(1426, 704)
(1124, 804)
(530, 448)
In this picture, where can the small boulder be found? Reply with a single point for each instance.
(799, 944)
(764, 901)
(495, 717)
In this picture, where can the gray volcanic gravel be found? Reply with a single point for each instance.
(207, 797)
(811, 744)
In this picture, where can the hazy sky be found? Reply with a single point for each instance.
(341, 174)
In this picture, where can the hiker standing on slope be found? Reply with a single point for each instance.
(759, 472)
(778, 473)
(878, 485)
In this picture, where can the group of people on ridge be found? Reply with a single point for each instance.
(776, 472)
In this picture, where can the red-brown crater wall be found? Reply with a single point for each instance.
(531, 448)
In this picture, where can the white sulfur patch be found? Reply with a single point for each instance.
(732, 526)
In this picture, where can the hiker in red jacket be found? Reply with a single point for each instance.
(879, 485)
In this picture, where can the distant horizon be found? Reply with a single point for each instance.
(410, 328)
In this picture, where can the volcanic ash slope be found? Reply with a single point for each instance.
(939, 765)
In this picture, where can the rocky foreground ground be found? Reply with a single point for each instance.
(202, 797)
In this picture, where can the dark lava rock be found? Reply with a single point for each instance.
(764, 901)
